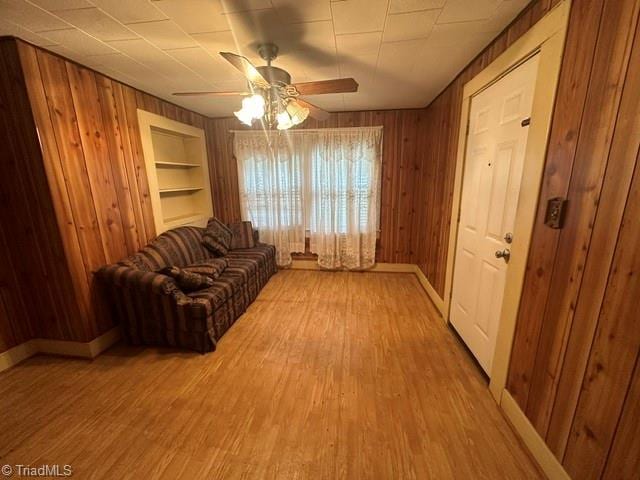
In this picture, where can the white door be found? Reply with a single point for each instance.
(494, 161)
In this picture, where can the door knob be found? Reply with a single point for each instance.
(504, 254)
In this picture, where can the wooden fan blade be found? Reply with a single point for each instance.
(247, 69)
(338, 85)
(193, 94)
(315, 112)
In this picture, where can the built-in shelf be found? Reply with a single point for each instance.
(181, 189)
(177, 164)
(178, 171)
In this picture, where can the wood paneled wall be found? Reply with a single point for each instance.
(574, 369)
(400, 162)
(79, 201)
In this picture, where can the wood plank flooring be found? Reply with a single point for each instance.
(327, 376)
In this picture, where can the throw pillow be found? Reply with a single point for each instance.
(211, 268)
(217, 237)
(242, 235)
(186, 280)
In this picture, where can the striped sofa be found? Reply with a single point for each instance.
(154, 311)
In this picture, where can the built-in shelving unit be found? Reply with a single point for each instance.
(177, 170)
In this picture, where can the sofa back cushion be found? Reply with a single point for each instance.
(242, 235)
(217, 237)
(179, 247)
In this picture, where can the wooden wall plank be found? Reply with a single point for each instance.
(615, 349)
(623, 461)
(60, 213)
(118, 163)
(93, 136)
(601, 110)
(67, 136)
(621, 164)
(567, 117)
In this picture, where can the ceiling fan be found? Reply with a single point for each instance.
(272, 96)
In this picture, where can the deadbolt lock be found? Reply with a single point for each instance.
(508, 237)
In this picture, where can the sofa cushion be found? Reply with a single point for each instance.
(242, 235)
(217, 237)
(188, 281)
(211, 267)
(178, 247)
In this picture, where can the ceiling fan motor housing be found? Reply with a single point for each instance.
(274, 75)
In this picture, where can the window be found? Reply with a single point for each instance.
(326, 181)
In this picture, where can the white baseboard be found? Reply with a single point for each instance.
(534, 442)
(388, 268)
(90, 350)
(17, 354)
(431, 292)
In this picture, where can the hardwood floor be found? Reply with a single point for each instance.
(328, 375)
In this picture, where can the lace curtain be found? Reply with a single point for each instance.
(270, 179)
(325, 180)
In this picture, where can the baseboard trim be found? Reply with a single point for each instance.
(17, 354)
(534, 442)
(431, 292)
(89, 350)
(378, 267)
(386, 268)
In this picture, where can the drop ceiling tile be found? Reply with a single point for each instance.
(209, 66)
(97, 24)
(53, 5)
(164, 34)
(159, 61)
(503, 15)
(200, 16)
(130, 11)
(466, 11)
(7, 28)
(122, 63)
(397, 57)
(78, 41)
(403, 6)
(452, 34)
(355, 44)
(232, 6)
(30, 17)
(295, 11)
(361, 68)
(408, 26)
(357, 16)
(216, 42)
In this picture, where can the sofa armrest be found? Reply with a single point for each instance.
(256, 236)
(153, 310)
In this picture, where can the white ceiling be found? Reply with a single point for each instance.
(401, 52)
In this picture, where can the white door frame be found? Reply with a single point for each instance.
(545, 38)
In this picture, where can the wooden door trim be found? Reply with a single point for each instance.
(546, 38)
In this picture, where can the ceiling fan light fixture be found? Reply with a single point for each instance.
(284, 121)
(252, 109)
(297, 112)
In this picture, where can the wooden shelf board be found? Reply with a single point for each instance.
(178, 164)
(183, 189)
